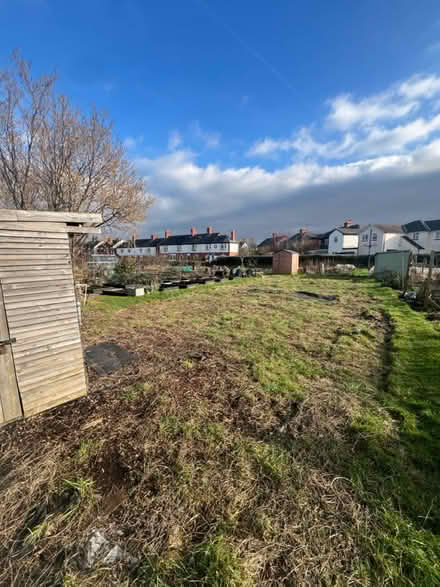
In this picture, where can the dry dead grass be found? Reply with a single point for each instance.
(195, 457)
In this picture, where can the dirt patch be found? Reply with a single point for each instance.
(107, 357)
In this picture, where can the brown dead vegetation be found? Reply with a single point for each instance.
(184, 448)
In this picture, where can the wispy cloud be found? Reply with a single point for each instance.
(210, 139)
(174, 140)
(133, 142)
(381, 124)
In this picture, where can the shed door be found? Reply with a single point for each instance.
(39, 298)
(10, 407)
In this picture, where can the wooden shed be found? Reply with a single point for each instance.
(285, 262)
(41, 357)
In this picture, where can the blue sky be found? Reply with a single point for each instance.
(255, 115)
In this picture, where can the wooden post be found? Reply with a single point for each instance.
(428, 284)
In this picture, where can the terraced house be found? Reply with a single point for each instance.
(202, 246)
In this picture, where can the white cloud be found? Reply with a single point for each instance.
(133, 142)
(346, 112)
(381, 124)
(209, 138)
(174, 140)
(252, 196)
(420, 87)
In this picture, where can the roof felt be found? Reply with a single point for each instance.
(184, 239)
(305, 235)
(412, 242)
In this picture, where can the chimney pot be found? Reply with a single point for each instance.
(167, 233)
(303, 231)
(348, 223)
(209, 230)
(233, 235)
(193, 231)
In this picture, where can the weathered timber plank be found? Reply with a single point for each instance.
(29, 300)
(62, 306)
(48, 391)
(28, 280)
(9, 398)
(32, 234)
(19, 358)
(17, 294)
(8, 272)
(40, 303)
(44, 331)
(18, 331)
(76, 391)
(34, 318)
(26, 286)
(48, 216)
(29, 381)
(18, 244)
(46, 345)
(35, 262)
(34, 226)
(38, 365)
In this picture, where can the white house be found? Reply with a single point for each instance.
(344, 241)
(426, 233)
(377, 238)
(204, 246)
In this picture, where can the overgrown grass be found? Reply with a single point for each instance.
(259, 439)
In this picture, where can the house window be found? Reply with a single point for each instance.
(437, 236)
(179, 248)
(215, 246)
(374, 236)
(365, 238)
(335, 239)
(223, 246)
(165, 249)
(208, 247)
(194, 247)
(416, 236)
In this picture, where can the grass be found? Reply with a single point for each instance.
(258, 439)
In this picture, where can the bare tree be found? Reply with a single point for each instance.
(54, 157)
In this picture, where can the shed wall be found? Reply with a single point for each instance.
(39, 299)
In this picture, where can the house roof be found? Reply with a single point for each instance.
(184, 239)
(390, 228)
(415, 226)
(433, 224)
(349, 230)
(310, 235)
(412, 242)
(266, 242)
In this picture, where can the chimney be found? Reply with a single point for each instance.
(193, 231)
(302, 231)
(233, 235)
(153, 236)
(167, 233)
(348, 223)
(209, 230)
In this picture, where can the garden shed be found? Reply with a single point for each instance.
(41, 357)
(285, 262)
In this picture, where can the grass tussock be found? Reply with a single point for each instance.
(257, 439)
